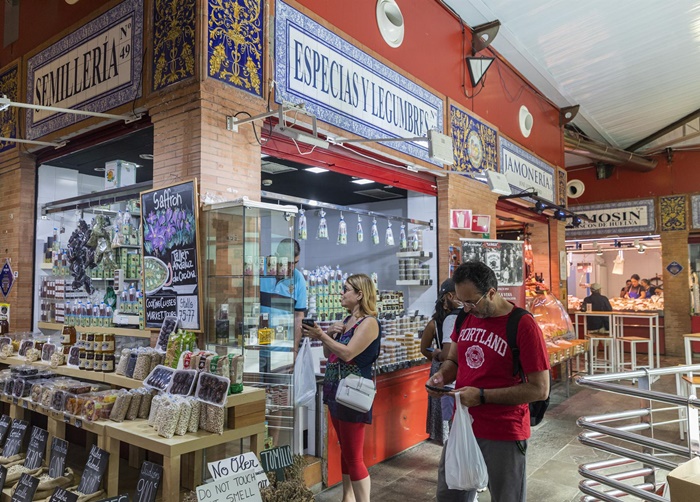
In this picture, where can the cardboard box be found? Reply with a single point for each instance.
(119, 173)
(684, 482)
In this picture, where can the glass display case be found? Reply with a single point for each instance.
(249, 300)
(551, 316)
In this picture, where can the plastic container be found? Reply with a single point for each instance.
(159, 378)
(212, 389)
(47, 351)
(24, 370)
(182, 382)
(24, 345)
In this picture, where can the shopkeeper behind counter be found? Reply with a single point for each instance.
(276, 291)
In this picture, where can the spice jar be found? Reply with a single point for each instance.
(99, 361)
(83, 356)
(68, 336)
(89, 361)
(98, 342)
(108, 363)
(90, 343)
(108, 343)
(82, 340)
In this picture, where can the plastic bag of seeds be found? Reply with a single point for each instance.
(145, 407)
(156, 403)
(136, 398)
(143, 364)
(168, 418)
(185, 413)
(131, 364)
(123, 362)
(156, 359)
(211, 418)
(121, 406)
(194, 416)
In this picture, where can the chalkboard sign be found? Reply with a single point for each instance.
(15, 438)
(57, 461)
(276, 459)
(5, 422)
(124, 497)
(3, 476)
(94, 470)
(25, 489)
(61, 495)
(37, 448)
(170, 256)
(149, 481)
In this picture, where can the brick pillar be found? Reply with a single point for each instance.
(674, 247)
(459, 192)
(191, 140)
(18, 196)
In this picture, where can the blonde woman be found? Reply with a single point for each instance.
(351, 347)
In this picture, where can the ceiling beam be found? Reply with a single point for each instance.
(662, 132)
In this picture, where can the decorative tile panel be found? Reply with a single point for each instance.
(475, 144)
(235, 54)
(9, 118)
(561, 176)
(173, 41)
(695, 209)
(525, 171)
(673, 213)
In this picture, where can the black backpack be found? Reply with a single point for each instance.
(537, 408)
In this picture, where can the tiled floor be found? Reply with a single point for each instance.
(554, 452)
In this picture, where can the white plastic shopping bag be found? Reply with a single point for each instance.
(304, 377)
(465, 468)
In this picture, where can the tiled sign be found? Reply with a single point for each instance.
(524, 171)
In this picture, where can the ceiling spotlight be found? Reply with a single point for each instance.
(559, 214)
(641, 249)
(576, 220)
(539, 207)
(598, 250)
(146, 156)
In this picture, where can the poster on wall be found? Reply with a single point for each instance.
(505, 258)
(170, 254)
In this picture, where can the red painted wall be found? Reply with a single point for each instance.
(432, 51)
(681, 176)
(39, 20)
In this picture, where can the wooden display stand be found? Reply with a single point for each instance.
(245, 419)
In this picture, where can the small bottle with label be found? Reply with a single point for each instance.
(222, 325)
(265, 333)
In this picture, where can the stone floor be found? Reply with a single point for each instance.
(554, 452)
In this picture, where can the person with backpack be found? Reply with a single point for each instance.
(496, 378)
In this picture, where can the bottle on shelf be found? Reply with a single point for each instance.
(4, 326)
(265, 333)
(222, 325)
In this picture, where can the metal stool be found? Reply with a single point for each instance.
(607, 362)
(633, 341)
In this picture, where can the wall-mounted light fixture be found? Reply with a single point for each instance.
(559, 213)
(567, 114)
(482, 36)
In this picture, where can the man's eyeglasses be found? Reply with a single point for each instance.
(471, 305)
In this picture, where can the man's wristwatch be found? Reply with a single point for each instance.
(482, 397)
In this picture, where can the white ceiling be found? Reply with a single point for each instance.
(633, 66)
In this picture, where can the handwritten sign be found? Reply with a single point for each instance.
(170, 256)
(25, 489)
(57, 461)
(5, 422)
(15, 438)
(36, 449)
(276, 459)
(3, 476)
(240, 487)
(61, 495)
(234, 465)
(94, 470)
(148, 483)
(124, 497)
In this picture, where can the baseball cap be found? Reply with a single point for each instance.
(447, 286)
(595, 287)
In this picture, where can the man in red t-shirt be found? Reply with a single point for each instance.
(481, 363)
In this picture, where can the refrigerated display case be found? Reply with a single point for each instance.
(247, 277)
(551, 316)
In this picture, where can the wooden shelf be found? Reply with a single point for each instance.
(120, 381)
(113, 330)
(46, 266)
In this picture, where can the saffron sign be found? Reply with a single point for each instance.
(633, 216)
(95, 68)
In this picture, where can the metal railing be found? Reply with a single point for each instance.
(601, 427)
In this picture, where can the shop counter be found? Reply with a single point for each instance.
(398, 420)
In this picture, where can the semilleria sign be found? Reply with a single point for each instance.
(615, 217)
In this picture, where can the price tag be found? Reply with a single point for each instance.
(61, 495)
(148, 483)
(57, 462)
(5, 422)
(36, 448)
(3, 476)
(25, 405)
(15, 438)
(15, 401)
(79, 425)
(25, 489)
(94, 470)
(66, 418)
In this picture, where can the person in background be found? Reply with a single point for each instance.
(649, 290)
(481, 363)
(600, 303)
(275, 292)
(623, 291)
(438, 332)
(635, 290)
(351, 347)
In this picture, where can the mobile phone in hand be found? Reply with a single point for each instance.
(429, 349)
(439, 389)
(308, 321)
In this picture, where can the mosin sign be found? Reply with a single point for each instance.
(345, 87)
(634, 216)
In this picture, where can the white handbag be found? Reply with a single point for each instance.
(356, 392)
